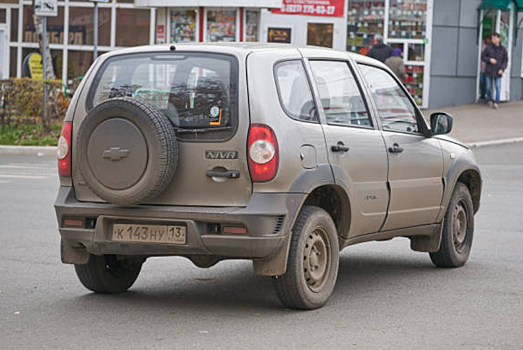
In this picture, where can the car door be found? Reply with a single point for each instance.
(415, 161)
(357, 152)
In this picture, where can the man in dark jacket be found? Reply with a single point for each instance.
(379, 51)
(496, 58)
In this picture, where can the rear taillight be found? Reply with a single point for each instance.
(262, 147)
(64, 150)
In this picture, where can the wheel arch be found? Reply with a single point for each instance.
(472, 179)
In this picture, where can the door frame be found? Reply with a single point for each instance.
(505, 79)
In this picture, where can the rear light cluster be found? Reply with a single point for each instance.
(262, 147)
(64, 150)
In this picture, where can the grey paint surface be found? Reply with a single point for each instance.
(468, 16)
(467, 53)
(444, 45)
(387, 296)
(446, 12)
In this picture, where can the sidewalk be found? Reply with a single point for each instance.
(478, 123)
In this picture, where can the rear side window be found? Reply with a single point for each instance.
(294, 91)
(198, 92)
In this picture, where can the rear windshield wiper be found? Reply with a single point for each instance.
(196, 130)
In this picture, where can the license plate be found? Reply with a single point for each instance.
(150, 233)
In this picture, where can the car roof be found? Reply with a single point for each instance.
(242, 49)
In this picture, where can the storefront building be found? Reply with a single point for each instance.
(440, 39)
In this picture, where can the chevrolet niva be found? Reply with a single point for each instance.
(277, 154)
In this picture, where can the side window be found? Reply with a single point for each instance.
(396, 111)
(294, 91)
(340, 95)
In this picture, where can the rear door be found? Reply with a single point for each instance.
(415, 161)
(356, 148)
(204, 96)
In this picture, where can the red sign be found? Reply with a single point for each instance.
(330, 8)
(160, 34)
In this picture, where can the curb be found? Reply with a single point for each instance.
(494, 142)
(50, 151)
(38, 151)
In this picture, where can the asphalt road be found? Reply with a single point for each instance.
(387, 297)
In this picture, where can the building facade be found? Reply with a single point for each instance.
(440, 39)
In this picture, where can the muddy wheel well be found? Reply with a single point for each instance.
(472, 180)
(334, 201)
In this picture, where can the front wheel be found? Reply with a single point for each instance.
(458, 230)
(312, 265)
(109, 274)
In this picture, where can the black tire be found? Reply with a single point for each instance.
(126, 151)
(458, 230)
(107, 274)
(301, 287)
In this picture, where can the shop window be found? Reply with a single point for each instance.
(339, 93)
(79, 63)
(320, 34)
(416, 52)
(294, 91)
(221, 25)
(408, 19)
(183, 26)
(56, 61)
(414, 82)
(252, 19)
(55, 27)
(81, 26)
(14, 25)
(132, 27)
(3, 15)
(364, 20)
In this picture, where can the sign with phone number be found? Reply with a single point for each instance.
(330, 8)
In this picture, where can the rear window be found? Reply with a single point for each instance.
(198, 92)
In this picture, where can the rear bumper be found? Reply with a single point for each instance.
(267, 218)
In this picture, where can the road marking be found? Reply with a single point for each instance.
(24, 177)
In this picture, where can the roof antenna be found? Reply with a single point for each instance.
(172, 48)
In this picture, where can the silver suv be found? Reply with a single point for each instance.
(272, 153)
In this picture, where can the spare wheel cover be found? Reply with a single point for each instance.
(127, 151)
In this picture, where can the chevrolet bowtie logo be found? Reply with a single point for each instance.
(115, 154)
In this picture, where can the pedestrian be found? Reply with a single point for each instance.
(379, 50)
(496, 58)
(396, 65)
(482, 84)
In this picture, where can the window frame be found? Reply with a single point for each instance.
(361, 89)
(189, 136)
(282, 105)
(423, 128)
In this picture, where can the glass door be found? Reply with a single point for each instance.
(502, 22)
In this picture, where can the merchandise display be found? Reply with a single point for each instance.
(251, 25)
(414, 82)
(364, 20)
(221, 25)
(183, 26)
(408, 19)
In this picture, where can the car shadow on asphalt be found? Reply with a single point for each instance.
(241, 289)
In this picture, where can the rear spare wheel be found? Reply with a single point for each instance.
(127, 151)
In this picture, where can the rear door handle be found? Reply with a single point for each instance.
(395, 148)
(230, 174)
(340, 147)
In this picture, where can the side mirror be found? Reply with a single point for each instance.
(440, 123)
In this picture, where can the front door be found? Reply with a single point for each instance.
(502, 22)
(415, 161)
(356, 149)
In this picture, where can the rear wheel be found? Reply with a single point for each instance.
(458, 230)
(312, 266)
(109, 273)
